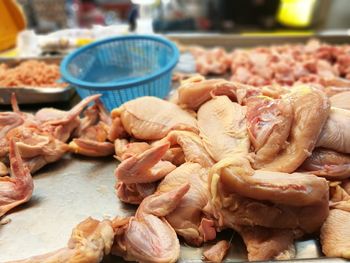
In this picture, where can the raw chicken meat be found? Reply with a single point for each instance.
(150, 118)
(268, 244)
(61, 124)
(191, 146)
(335, 234)
(341, 100)
(18, 188)
(223, 128)
(146, 167)
(306, 103)
(212, 61)
(217, 252)
(138, 172)
(91, 148)
(37, 147)
(90, 241)
(335, 133)
(3, 169)
(188, 219)
(195, 91)
(93, 133)
(294, 189)
(269, 122)
(148, 237)
(327, 163)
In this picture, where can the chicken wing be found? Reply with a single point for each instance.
(18, 188)
(90, 241)
(148, 237)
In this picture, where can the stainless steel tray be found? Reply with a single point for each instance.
(34, 95)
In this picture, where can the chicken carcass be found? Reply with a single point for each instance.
(269, 122)
(223, 128)
(150, 118)
(188, 218)
(148, 237)
(90, 241)
(18, 188)
(92, 135)
(305, 130)
(335, 133)
(335, 234)
(191, 146)
(327, 163)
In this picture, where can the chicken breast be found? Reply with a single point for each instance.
(335, 234)
(223, 128)
(307, 103)
(150, 118)
(335, 133)
(269, 122)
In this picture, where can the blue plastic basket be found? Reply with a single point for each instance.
(122, 68)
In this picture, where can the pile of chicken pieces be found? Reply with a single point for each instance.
(285, 65)
(221, 155)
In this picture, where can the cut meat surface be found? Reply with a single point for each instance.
(269, 122)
